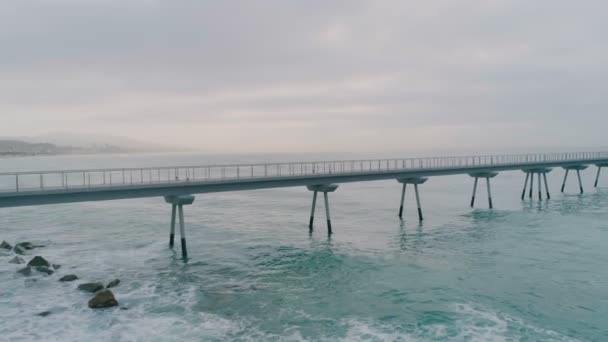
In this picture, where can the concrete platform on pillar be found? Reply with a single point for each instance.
(538, 170)
(484, 174)
(576, 167)
(415, 180)
(180, 200)
(323, 187)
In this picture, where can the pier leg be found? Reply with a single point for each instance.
(172, 234)
(564, 182)
(489, 193)
(531, 185)
(312, 211)
(402, 201)
(182, 231)
(580, 182)
(329, 232)
(597, 177)
(474, 192)
(546, 186)
(540, 188)
(523, 193)
(418, 203)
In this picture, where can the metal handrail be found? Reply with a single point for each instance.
(96, 178)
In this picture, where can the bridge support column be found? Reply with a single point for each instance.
(523, 193)
(546, 185)
(541, 174)
(474, 192)
(415, 181)
(578, 169)
(324, 188)
(487, 176)
(179, 202)
(402, 201)
(599, 169)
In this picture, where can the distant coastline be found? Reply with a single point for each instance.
(18, 148)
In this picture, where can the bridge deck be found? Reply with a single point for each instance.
(65, 186)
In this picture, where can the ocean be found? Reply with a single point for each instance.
(524, 271)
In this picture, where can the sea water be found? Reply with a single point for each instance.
(525, 271)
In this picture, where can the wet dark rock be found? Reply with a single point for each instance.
(38, 261)
(19, 250)
(43, 313)
(17, 260)
(113, 283)
(56, 266)
(103, 299)
(69, 277)
(44, 269)
(26, 271)
(90, 287)
(25, 245)
(5, 245)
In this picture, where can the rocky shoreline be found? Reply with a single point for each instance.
(102, 298)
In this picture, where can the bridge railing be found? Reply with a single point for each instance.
(120, 177)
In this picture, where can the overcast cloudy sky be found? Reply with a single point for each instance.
(241, 76)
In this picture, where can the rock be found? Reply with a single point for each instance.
(25, 245)
(44, 269)
(43, 313)
(103, 299)
(19, 250)
(69, 277)
(26, 271)
(113, 283)
(38, 261)
(17, 260)
(56, 266)
(90, 287)
(5, 245)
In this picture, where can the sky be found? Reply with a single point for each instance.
(308, 76)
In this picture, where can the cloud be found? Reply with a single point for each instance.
(341, 75)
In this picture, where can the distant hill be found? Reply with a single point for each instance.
(23, 148)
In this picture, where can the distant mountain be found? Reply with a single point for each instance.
(69, 143)
(23, 148)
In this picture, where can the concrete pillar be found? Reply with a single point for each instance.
(489, 193)
(402, 201)
(179, 202)
(418, 203)
(546, 186)
(312, 211)
(523, 193)
(474, 192)
(327, 214)
(597, 177)
(565, 178)
(540, 188)
(324, 188)
(172, 233)
(531, 184)
(182, 231)
(580, 182)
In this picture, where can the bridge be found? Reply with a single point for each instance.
(178, 184)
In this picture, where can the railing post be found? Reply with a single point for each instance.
(17, 182)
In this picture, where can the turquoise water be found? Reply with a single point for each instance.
(526, 271)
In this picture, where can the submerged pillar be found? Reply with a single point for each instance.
(324, 188)
(523, 193)
(415, 181)
(402, 201)
(487, 176)
(179, 202)
(578, 168)
(172, 233)
(541, 174)
(474, 192)
(546, 186)
(312, 211)
(599, 169)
